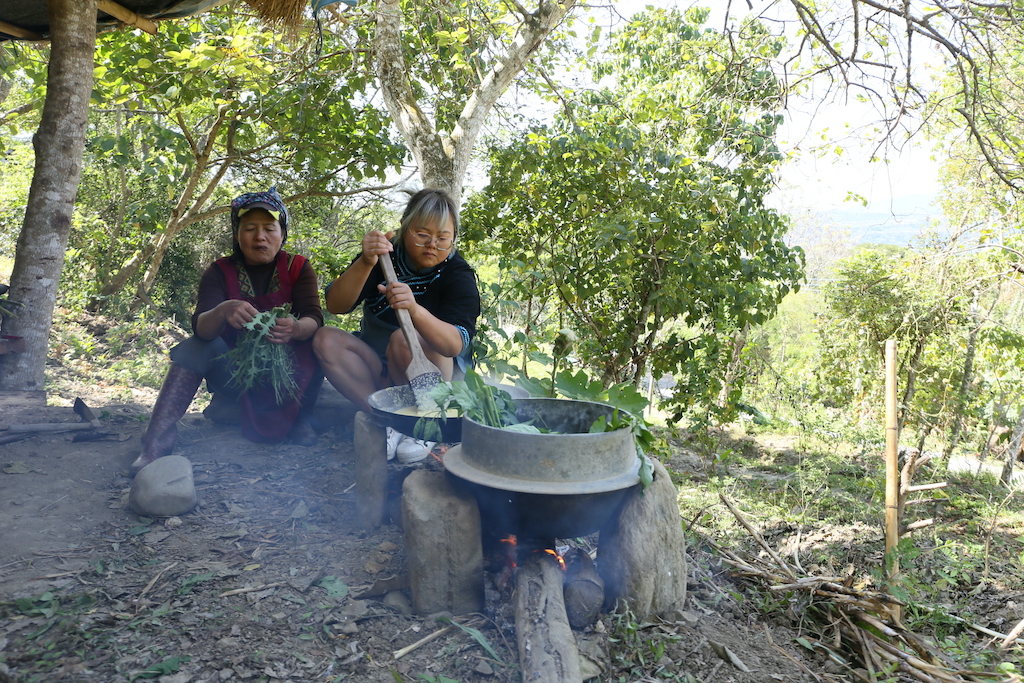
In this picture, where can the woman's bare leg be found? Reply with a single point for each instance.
(349, 364)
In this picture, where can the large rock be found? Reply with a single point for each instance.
(164, 488)
(442, 545)
(641, 553)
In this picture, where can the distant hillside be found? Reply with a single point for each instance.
(898, 224)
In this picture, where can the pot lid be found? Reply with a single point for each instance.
(456, 463)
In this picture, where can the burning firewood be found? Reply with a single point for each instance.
(584, 589)
(547, 646)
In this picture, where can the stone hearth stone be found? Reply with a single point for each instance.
(163, 488)
(641, 553)
(369, 442)
(442, 545)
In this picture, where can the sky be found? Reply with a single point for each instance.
(900, 192)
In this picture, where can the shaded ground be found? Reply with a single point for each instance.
(260, 581)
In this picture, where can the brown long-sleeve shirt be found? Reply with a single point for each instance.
(305, 292)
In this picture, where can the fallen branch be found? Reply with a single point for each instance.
(757, 537)
(155, 578)
(863, 625)
(252, 589)
(1012, 635)
(423, 641)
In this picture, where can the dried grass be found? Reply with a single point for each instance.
(859, 628)
(286, 13)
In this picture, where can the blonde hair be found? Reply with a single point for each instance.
(427, 205)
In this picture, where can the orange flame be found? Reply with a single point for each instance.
(439, 450)
(510, 540)
(561, 561)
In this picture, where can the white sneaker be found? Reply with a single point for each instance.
(394, 438)
(413, 450)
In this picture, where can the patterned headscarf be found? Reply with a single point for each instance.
(269, 200)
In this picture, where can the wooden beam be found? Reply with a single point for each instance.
(19, 32)
(10, 398)
(127, 16)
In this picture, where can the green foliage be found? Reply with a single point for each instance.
(185, 120)
(256, 361)
(8, 307)
(637, 649)
(646, 235)
(957, 332)
(450, 47)
(168, 666)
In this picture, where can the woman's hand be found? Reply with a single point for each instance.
(283, 331)
(399, 295)
(376, 243)
(236, 312)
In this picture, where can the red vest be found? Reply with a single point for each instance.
(263, 419)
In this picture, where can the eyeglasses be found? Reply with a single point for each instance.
(422, 239)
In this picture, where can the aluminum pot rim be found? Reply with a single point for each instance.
(456, 463)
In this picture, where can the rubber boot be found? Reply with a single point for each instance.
(223, 409)
(175, 397)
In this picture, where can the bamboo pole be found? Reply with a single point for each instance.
(19, 32)
(892, 472)
(126, 15)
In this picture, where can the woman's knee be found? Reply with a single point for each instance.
(328, 342)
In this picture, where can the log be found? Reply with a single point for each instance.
(19, 32)
(11, 398)
(547, 646)
(50, 427)
(126, 15)
(370, 442)
(584, 589)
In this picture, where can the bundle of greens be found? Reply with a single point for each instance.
(255, 360)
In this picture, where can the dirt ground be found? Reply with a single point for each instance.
(270, 578)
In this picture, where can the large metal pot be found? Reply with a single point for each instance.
(555, 485)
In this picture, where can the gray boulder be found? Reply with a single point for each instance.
(164, 488)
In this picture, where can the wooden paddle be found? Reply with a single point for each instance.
(423, 375)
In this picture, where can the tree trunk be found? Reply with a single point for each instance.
(442, 156)
(966, 377)
(59, 145)
(1013, 450)
(908, 394)
(739, 342)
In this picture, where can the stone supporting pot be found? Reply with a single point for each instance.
(641, 554)
(442, 539)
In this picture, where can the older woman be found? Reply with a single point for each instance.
(258, 276)
(435, 284)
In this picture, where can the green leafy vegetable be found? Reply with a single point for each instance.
(472, 398)
(255, 360)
